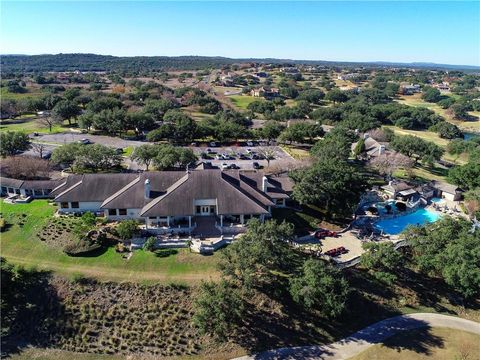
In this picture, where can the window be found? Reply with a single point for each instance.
(112, 212)
(199, 209)
(64, 205)
(122, 212)
(75, 205)
(10, 190)
(47, 191)
(17, 191)
(4, 189)
(38, 192)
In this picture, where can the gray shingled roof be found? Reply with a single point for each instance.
(209, 184)
(92, 187)
(132, 196)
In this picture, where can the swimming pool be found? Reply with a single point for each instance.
(436, 200)
(397, 225)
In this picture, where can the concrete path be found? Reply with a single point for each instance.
(371, 335)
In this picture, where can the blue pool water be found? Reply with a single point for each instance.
(436, 200)
(398, 224)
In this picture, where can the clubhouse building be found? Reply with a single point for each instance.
(196, 201)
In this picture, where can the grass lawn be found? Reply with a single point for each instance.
(431, 343)
(296, 153)
(6, 95)
(29, 124)
(242, 101)
(21, 245)
(423, 174)
(417, 101)
(433, 137)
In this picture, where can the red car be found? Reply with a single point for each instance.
(336, 252)
(320, 234)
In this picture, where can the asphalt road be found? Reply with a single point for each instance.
(371, 335)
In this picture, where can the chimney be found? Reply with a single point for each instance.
(381, 149)
(147, 189)
(264, 184)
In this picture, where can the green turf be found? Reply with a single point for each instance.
(242, 101)
(6, 95)
(20, 245)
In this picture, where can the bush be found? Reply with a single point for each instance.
(149, 244)
(126, 229)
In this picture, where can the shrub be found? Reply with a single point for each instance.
(149, 244)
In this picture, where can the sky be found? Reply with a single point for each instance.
(441, 32)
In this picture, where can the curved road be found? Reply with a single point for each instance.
(371, 335)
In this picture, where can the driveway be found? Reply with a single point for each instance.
(371, 335)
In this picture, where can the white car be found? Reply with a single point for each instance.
(249, 143)
(225, 166)
(84, 141)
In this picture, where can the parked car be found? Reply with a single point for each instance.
(213, 144)
(119, 151)
(193, 144)
(243, 157)
(209, 151)
(336, 252)
(225, 166)
(249, 143)
(84, 141)
(234, 166)
(320, 234)
(249, 151)
(256, 165)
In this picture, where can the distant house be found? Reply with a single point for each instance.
(399, 189)
(447, 191)
(373, 148)
(349, 76)
(443, 87)
(409, 89)
(289, 70)
(264, 92)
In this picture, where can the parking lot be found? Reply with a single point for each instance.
(240, 156)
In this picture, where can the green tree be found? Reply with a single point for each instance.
(144, 154)
(169, 157)
(13, 142)
(336, 96)
(382, 260)
(320, 286)
(126, 229)
(466, 176)
(219, 309)
(431, 94)
(449, 248)
(334, 185)
(417, 148)
(260, 255)
(271, 130)
(65, 110)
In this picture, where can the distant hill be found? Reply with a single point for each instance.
(93, 62)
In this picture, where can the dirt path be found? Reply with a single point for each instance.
(371, 335)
